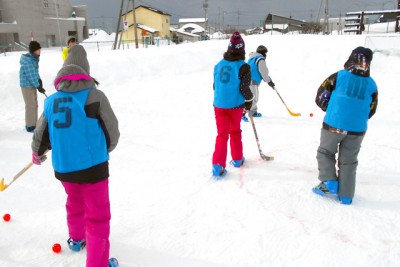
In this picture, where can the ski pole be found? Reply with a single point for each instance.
(4, 186)
(290, 112)
(263, 156)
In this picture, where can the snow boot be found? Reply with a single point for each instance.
(256, 114)
(326, 188)
(76, 245)
(30, 129)
(237, 163)
(218, 171)
(345, 200)
(112, 262)
(244, 118)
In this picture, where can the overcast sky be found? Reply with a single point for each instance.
(246, 13)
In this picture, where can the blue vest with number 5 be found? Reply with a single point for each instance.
(78, 142)
(349, 105)
(227, 84)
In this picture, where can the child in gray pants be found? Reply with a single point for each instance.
(350, 99)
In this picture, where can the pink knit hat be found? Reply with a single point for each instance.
(236, 44)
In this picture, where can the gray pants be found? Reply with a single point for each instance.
(31, 105)
(254, 90)
(348, 147)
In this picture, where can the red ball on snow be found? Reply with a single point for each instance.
(311, 114)
(7, 217)
(56, 248)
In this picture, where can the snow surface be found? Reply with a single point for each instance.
(166, 209)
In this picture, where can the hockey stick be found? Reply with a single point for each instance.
(4, 186)
(264, 157)
(290, 112)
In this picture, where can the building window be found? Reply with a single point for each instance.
(166, 20)
(46, 3)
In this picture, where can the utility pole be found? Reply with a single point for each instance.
(326, 18)
(134, 24)
(205, 7)
(118, 25)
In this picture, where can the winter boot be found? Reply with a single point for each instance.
(345, 200)
(30, 129)
(326, 188)
(76, 245)
(256, 114)
(112, 262)
(218, 171)
(237, 163)
(244, 118)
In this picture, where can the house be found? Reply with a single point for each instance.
(151, 23)
(282, 24)
(42, 20)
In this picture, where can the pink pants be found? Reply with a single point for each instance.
(88, 217)
(228, 126)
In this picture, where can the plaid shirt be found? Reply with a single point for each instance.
(29, 71)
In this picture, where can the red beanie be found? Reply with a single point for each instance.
(236, 44)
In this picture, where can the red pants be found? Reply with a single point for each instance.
(88, 217)
(228, 126)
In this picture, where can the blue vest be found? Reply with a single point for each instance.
(227, 84)
(78, 142)
(255, 74)
(349, 105)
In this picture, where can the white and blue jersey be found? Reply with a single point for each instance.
(255, 73)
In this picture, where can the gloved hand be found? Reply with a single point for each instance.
(40, 83)
(247, 105)
(41, 90)
(271, 83)
(36, 159)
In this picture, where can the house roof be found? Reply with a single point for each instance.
(195, 28)
(281, 19)
(188, 34)
(154, 10)
(147, 28)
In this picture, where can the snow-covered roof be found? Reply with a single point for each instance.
(196, 27)
(154, 10)
(172, 29)
(192, 20)
(147, 28)
(188, 34)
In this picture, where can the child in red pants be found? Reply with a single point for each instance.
(231, 94)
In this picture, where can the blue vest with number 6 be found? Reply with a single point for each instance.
(227, 84)
(78, 142)
(349, 105)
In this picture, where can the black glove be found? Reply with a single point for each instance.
(40, 83)
(41, 90)
(247, 105)
(271, 83)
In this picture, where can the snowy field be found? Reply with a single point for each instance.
(166, 209)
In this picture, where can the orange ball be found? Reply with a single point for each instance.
(7, 217)
(56, 248)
